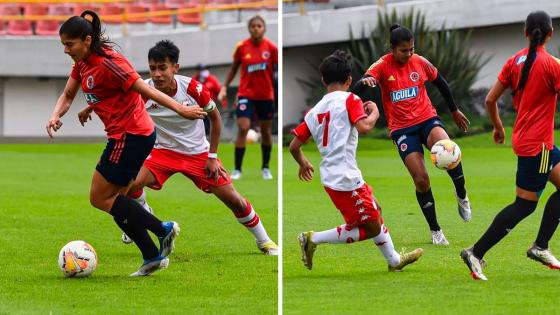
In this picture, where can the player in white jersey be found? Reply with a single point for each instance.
(334, 124)
(181, 145)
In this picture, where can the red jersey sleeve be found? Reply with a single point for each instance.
(429, 69)
(199, 93)
(274, 53)
(505, 75)
(302, 132)
(376, 69)
(355, 108)
(555, 73)
(75, 74)
(237, 52)
(122, 71)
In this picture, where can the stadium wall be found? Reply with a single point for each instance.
(498, 27)
(34, 71)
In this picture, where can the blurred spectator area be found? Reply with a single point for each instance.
(43, 17)
(302, 6)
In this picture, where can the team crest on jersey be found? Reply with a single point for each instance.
(404, 146)
(89, 82)
(414, 76)
(404, 94)
(265, 54)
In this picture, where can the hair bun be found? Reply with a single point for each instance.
(394, 27)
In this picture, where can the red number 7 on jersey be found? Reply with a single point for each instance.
(326, 117)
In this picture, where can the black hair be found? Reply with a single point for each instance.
(337, 67)
(256, 18)
(537, 25)
(399, 34)
(80, 27)
(162, 50)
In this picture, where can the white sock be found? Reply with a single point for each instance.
(142, 201)
(384, 242)
(250, 219)
(337, 235)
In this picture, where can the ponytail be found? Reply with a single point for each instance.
(87, 24)
(538, 25)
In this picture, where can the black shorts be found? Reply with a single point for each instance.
(533, 171)
(410, 139)
(122, 158)
(248, 108)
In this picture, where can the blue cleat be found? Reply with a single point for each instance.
(151, 265)
(167, 242)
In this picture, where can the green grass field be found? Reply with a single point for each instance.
(353, 279)
(215, 269)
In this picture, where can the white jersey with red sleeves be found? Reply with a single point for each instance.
(331, 123)
(175, 132)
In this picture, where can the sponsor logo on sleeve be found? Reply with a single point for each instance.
(404, 94)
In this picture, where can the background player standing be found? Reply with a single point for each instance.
(340, 175)
(258, 58)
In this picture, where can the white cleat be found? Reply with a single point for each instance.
(235, 175)
(438, 238)
(268, 248)
(475, 265)
(266, 174)
(464, 207)
(544, 256)
(151, 266)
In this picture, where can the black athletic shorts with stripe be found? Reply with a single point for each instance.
(122, 158)
(533, 171)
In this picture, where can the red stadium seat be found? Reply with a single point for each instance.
(21, 28)
(35, 9)
(10, 9)
(47, 28)
(148, 3)
(189, 18)
(175, 4)
(106, 10)
(60, 9)
(162, 19)
(3, 28)
(79, 8)
(136, 8)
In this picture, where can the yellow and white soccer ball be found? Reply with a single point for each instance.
(252, 136)
(445, 154)
(77, 259)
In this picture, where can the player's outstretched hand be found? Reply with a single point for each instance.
(306, 172)
(84, 115)
(53, 125)
(461, 120)
(191, 112)
(499, 135)
(369, 81)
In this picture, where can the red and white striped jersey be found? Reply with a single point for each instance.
(175, 132)
(331, 123)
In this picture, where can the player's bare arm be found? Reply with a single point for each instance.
(148, 92)
(62, 105)
(366, 124)
(213, 168)
(230, 76)
(493, 112)
(305, 167)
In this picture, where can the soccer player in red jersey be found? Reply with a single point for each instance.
(533, 75)
(258, 57)
(181, 145)
(114, 91)
(414, 122)
(344, 113)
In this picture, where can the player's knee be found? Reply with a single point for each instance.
(99, 203)
(422, 182)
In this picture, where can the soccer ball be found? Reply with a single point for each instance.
(77, 259)
(252, 136)
(445, 154)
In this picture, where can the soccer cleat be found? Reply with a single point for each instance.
(464, 207)
(307, 249)
(167, 242)
(268, 248)
(544, 256)
(438, 238)
(475, 265)
(406, 259)
(266, 174)
(127, 240)
(151, 265)
(235, 175)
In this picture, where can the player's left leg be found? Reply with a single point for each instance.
(246, 215)
(456, 174)
(265, 112)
